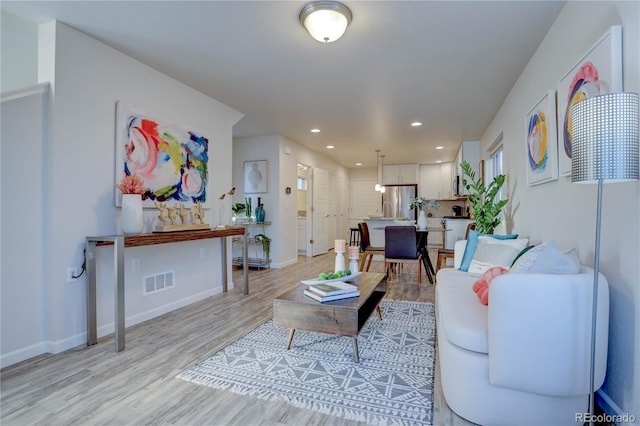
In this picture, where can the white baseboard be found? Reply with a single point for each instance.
(22, 354)
(58, 346)
(155, 312)
(285, 263)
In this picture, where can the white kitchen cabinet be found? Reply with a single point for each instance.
(447, 175)
(469, 151)
(394, 174)
(429, 185)
(436, 181)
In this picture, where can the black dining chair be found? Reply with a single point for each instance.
(400, 247)
(366, 249)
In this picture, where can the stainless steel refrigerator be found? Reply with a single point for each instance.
(396, 199)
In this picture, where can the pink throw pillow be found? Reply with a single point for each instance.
(481, 287)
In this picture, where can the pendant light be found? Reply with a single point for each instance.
(382, 188)
(377, 187)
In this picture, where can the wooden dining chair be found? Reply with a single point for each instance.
(444, 254)
(400, 247)
(366, 249)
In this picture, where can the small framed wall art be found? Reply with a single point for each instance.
(541, 142)
(255, 177)
(598, 72)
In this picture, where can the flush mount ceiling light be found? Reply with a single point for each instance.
(326, 21)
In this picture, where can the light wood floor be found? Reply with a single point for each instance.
(95, 385)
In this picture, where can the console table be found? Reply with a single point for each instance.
(120, 242)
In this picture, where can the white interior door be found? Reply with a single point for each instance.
(320, 183)
(343, 208)
(332, 222)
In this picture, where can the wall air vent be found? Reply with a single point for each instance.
(154, 283)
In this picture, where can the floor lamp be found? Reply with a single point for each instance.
(604, 148)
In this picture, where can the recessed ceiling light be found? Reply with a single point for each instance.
(358, 164)
(439, 161)
(315, 130)
(330, 146)
(416, 124)
(439, 147)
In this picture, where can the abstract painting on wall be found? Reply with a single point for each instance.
(598, 72)
(171, 161)
(255, 177)
(541, 141)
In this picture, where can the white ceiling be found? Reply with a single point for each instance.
(448, 64)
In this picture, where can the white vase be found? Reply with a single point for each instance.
(422, 220)
(131, 218)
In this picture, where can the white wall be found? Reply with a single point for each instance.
(18, 52)
(87, 78)
(23, 139)
(283, 155)
(261, 148)
(565, 212)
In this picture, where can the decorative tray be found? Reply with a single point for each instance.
(346, 278)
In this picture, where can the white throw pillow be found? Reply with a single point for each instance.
(547, 258)
(492, 252)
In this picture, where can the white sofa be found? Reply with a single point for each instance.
(524, 358)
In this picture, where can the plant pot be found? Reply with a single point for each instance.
(131, 217)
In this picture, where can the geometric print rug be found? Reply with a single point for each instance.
(392, 384)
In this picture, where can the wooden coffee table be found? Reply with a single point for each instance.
(344, 317)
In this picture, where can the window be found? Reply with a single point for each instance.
(302, 183)
(496, 164)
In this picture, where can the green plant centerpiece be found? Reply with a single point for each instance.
(266, 243)
(482, 199)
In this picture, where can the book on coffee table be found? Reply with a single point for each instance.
(320, 298)
(332, 289)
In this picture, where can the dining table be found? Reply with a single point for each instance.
(422, 238)
(423, 235)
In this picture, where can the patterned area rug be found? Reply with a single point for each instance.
(392, 384)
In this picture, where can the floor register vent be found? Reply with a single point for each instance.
(159, 282)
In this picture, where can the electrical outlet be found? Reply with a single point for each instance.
(135, 264)
(202, 252)
(72, 271)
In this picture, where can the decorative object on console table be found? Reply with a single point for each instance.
(260, 211)
(604, 149)
(485, 210)
(238, 211)
(248, 210)
(131, 215)
(169, 218)
(221, 198)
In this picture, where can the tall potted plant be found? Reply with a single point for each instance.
(482, 199)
